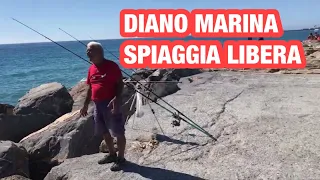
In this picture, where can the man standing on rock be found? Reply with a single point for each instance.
(105, 90)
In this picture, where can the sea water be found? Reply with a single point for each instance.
(24, 66)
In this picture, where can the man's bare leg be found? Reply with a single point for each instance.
(112, 157)
(121, 142)
(109, 142)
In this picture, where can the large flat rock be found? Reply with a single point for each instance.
(266, 125)
(16, 127)
(51, 98)
(67, 137)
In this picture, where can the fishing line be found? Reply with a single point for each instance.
(155, 117)
(175, 115)
(147, 88)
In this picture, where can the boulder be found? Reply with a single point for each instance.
(127, 100)
(78, 94)
(157, 75)
(141, 74)
(173, 73)
(13, 160)
(15, 177)
(52, 98)
(6, 109)
(180, 73)
(167, 86)
(16, 127)
(309, 51)
(313, 60)
(67, 137)
(171, 78)
(272, 70)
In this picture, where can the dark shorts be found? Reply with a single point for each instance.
(105, 121)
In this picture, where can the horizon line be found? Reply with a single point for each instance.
(104, 39)
(48, 41)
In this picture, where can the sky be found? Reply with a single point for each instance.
(99, 19)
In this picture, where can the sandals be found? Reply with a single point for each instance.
(108, 159)
(117, 166)
(118, 162)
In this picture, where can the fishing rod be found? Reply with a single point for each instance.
(116, 58)
(103, 48)
(175, 115)
(73, 37)
(175, 123)
(158, 82)
(90, 37)
(86, 46)
(152, 110)
(93, 40)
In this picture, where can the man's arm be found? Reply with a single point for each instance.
(119, 90)
(88, 97)
(84, 109)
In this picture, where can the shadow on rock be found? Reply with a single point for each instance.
(157, 173)
(163, 138)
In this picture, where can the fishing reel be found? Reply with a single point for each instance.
(177, 120)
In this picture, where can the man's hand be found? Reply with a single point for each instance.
(84, 111)
(116, 107)
(117, 102)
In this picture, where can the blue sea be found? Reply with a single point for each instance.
(24, 66)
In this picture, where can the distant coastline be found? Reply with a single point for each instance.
(310, 29)
(303, 29)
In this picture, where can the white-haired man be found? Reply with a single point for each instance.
(105, 82)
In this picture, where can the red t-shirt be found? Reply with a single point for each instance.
(103, 80)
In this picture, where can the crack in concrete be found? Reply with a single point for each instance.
(225, 104)
(222, 111)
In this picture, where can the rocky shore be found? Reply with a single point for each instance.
(264, 120)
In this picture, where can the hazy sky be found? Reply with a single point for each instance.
(100, 18)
